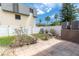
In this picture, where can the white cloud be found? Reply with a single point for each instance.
(49, 9)
(39, 8)
(44, 7)
(40, 11)
(52, 16)
(49, 5)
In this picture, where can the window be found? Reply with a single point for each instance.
(17, 17)
(31, 10)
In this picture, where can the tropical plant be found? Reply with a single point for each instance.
(57, 22)
(47, 18)
(40, 21)
(56, 17)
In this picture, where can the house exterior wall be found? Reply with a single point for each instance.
(8, 22)
(8, 18)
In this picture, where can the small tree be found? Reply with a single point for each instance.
(56, 19)
(40, 21)
(47, 19)
(68, 12)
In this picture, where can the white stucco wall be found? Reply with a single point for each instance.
(8, 19)
(57, 29)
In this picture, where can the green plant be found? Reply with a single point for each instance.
(41, 31)
(40, 21)
(46, 31)
(55, 23)
(45, 37)
(52, 32)
(56, 17)
(22, 39)
(47, 18)
(68, 12)
(42, 36)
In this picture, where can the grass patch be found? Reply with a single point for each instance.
(5, 40)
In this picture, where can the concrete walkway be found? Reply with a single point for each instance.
(63, 48)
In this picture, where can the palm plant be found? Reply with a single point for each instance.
(40, 21)
(56, 17)
(47, 18)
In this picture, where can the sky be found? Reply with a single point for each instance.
(46, 9)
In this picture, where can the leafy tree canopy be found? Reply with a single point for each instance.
(68, 12)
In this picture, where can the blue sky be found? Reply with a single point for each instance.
(46, 9)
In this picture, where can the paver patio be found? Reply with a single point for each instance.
(63, 48)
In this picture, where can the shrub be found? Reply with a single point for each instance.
(46, 31)
(45, 37)
(20, 42)
(41, 31)
(22, 39)
(52, 32)
(41, 36)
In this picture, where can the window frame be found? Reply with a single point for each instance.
(17, 17)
